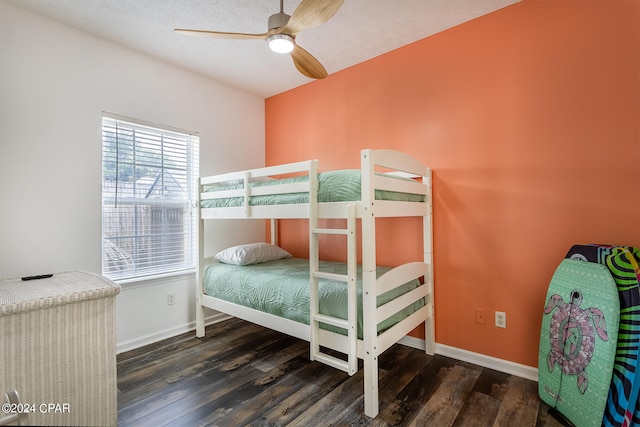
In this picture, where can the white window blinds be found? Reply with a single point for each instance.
(148, 199)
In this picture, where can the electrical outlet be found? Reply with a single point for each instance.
(171, 299)
(501, 319)
(481, 316)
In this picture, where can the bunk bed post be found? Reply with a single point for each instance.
(274, 231)
(199, 267)
(369, 294)
(427, 230)
(352, 292)
(314, 260)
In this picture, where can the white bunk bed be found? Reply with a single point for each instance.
(379, 171)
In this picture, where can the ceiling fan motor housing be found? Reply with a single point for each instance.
(278, 20)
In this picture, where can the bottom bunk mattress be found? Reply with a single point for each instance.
(281, 288)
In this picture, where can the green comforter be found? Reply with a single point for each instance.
(282, 289)
(333, 186)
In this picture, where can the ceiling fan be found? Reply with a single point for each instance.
(283, 30)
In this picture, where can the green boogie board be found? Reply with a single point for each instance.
(578, 341)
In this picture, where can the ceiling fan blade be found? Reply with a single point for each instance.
(224, 35)
(307, 64)
(311, 13)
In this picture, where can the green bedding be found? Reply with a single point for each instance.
(282, 288)
(333, 186)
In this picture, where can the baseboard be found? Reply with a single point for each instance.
(167, 333)
(483, 360)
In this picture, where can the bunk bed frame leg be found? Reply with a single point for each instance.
(370, 339)
(199, 268)
(371, 385)
(199, 318)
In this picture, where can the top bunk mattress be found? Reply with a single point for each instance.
(281, 288)
(333, 186)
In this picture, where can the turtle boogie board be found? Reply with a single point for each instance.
(578, 341)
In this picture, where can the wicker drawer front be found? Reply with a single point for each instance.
(58, 348)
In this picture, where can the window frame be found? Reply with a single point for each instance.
(155, 197)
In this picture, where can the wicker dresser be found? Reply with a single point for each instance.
(57, 349)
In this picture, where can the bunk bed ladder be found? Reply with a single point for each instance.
(350, 365)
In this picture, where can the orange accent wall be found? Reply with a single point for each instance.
(530, 119)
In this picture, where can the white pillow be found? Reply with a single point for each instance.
(253, 253)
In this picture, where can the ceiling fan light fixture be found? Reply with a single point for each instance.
(281, 43)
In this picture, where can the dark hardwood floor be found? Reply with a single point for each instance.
(243, 374)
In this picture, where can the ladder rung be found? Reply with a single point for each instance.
(330, 320)
(330, 230)
(331, 276)
(332, 361)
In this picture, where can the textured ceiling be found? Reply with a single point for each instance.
(361, 30)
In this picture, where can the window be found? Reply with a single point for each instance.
(148, 199)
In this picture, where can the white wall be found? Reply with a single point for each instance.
(55, 82)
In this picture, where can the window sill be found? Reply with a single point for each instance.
(156, 279)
